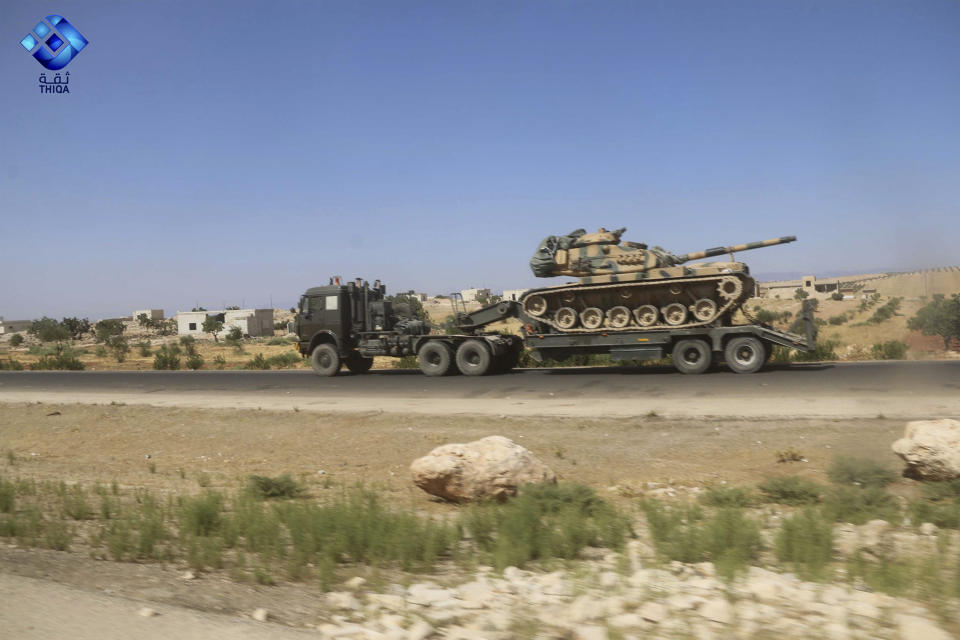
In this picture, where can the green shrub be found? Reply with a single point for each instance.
(806, 541)
(945, 515)
(284, 360)
(857, 506)
(406, 362)
(791, 490)
(257, 362)
(64, 361)
(728, 497)
(167, 357)
(144, 348)
(835, 320)
(16, 340)
(119, 347)
(860, 471)
(219, 361)
(11, 365)
(546, 521)
(886, 311)
(824, 350)
(194, 361)
(189, 344)
(74, 503)
(8, 492)
(283, 486)
(836, 295)
(889, 350)
(200, 515)
(729, 539)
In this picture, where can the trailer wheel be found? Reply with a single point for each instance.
(474, 358)
(436, 359)
(325, 360)
(358, 364)
(691, 356)
(745, 354)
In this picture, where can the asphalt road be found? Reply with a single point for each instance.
(843, 389)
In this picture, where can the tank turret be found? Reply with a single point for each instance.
(630, 286)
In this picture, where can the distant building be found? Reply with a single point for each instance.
(13, 326)
(152, 314)
(514, 294)
(472, 295)
(251, 322)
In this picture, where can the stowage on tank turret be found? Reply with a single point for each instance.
(628, 286)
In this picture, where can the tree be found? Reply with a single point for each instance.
(76, 326)
(119, 346)
(107, 329)
(213, 325)
(48, 330)
(16, 340)
(800, 294)
(939, 317)
(409, 306)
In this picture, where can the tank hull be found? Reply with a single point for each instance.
(681, 297)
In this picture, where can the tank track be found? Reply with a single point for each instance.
(729, 291)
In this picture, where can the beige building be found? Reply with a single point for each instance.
(251, 322)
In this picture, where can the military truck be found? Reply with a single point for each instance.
(350, 323)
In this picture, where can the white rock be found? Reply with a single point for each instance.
(865, 609)
(584, 608)
(387, 601)
(705, 569)
(261, 614)
(873, 534)
(426, 595)
(916, 628)
(188, 575)
(929, 529)
(419, 630)
(718, 610)
(493, 467)
(835, 631)
(355, 583)
(652, 611)
(931, 449)
(590, 632)
(625, 621)
(342, 600)
(609, 579)
(147, 612)
(683, 601)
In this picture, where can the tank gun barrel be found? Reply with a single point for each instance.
(719, 251)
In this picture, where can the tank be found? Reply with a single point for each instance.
(628, 286)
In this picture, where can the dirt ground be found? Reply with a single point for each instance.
(87, 443)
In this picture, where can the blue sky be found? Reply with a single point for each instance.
(227, 152)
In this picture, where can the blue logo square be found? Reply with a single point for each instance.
(64, 43)
(54, 42)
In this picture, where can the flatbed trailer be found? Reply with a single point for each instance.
(351, 323)
(744, 348)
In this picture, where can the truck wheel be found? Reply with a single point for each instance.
(745, 354)
(691, 356)
(436, 359)
(358, 364)
(325, 360)
(474, 358)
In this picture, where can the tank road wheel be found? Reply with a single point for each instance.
(536, 305)
(745, 354)
(325, 360)
(566, 318)
(674, 314)
(704, 309)
(474, 358)
(436, 359)
(591, 318)
(618, 317)
(691, 356)
(646, 315)
(358, 364)
(729, 288)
